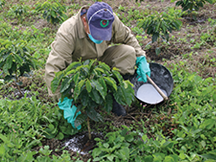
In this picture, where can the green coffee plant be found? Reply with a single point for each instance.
(2, 3)
(19, 11)
(94, 86)
(191, 5)
(16, 60)
(159, 25)
(53, 12)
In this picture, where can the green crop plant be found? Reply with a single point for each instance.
(191, 5)
(94, 86)
(121, 145)
(53, 12)
(16, 60)
(2, 3)
(159, 25)
(19, 11)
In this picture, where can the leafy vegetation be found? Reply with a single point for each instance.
(181, 129)
(191, 5)
(159, 25)
(94, 84)
(16, 60)
(53, 12)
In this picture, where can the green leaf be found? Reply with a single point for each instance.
(96, 152)
(85, 99)
(208, 124)
(80, 119)
(109, 103)
(3, 138)
(2, 150)
(103, 83)
(60, 136)
(99, 70)
(179, 3)
(209, 155)
(171, 159)
(129, 138)
(65, 84)
(88, 86)
(8, 63)
(77, 89)
(13, 68)
(117, 75)
(111, 82)
(155, 37)
(73, 65)
(70, 72)
(56, 81)
(92, 114)
(148, 158)
(99, 88)
(123, 153)
(111, 157)
(18, 59)
(76, 78)
(124, 95)
(7, 141)
(105, 66)
(95, 96)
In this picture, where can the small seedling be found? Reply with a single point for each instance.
(53, 12)
(159, 25)
(191, 5)
(16, 60)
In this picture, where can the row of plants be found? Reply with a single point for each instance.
(159, 29)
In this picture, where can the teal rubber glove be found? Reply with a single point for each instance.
(142, 68)
(69, 111)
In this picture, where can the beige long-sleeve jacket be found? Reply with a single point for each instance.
(72, 43)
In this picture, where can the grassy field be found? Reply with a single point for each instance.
(180, 129)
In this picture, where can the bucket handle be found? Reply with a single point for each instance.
(157, 88)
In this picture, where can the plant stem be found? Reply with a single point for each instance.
(89, 129)
(17, 79)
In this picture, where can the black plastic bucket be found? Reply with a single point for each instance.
(145, 92)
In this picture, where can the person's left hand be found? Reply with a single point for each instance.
(69, 112)
(142, 68)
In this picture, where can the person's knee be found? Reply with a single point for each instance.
(127, 49)
(126, 59)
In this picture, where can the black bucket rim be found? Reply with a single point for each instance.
(135, 81)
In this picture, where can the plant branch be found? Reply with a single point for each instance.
(89, 129)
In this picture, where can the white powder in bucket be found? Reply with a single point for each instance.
(148, 94)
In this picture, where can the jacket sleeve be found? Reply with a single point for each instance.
(122, 34)
(59, 58)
